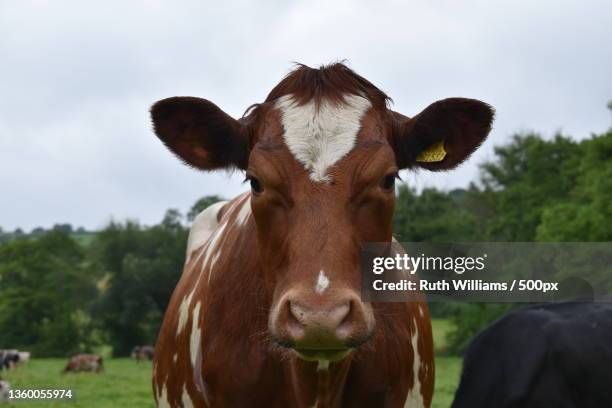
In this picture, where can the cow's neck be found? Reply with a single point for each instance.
(318, 384)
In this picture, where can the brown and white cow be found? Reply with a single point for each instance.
(268, 310)
(84, 363)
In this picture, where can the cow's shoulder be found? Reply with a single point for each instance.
(203, 226)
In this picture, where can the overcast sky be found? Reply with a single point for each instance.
(77, 78)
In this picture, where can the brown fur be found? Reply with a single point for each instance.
(248, 351)
(84, 363)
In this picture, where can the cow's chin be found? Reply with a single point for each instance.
(322, 355)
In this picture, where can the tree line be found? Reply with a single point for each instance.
(60, 294)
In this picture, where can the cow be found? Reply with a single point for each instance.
(24, 357)
(84, 362)
(554, 355)
(140, 353)
(5, 387)
(268, 310)
(8, 359)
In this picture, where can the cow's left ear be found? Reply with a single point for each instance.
(201, 134)
(442, 136)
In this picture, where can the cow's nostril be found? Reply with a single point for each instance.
(296, 311)
(339, 314)
(293, 319)
(346, 324)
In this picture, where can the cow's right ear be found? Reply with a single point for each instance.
(201, 134)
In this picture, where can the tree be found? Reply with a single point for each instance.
(586, 214)
(528, 175)
(202, 204)
(67, 228)
(38, 231)
(434, 216)
(142, 267)
(45, 289)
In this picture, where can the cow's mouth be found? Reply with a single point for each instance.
(322, 354)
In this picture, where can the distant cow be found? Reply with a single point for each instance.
(8, 359)
(84, 362)
(140, 353)
(4, 390)
(24, 357)
(554, 355)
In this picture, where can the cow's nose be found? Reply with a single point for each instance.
(304, 320)
(323, 329)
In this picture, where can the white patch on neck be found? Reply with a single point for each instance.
(323, 365)
(184, 312)
(244, 213)
(196, 334)
(318, 138)
(322, 283)
(212, 246)
(162, 399)
(415, 399)
(203, 226)
(186, 398)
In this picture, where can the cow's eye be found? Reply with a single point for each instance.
(388, 183)
(256, 187)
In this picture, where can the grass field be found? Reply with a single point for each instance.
(448, 369)
(125, 383)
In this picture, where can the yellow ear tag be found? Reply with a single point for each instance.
(434, 153)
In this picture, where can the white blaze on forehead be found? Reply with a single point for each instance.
(320, 136)
(322, 283)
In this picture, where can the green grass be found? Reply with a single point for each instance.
(441, 328)
(123, 383)
(448, 369)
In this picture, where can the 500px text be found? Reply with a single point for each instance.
(522, 285)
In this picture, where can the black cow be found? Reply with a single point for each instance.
(8, 359)
(140, 353)
(549, 356)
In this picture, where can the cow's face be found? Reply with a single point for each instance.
(322, 172)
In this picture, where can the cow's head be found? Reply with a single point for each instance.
(322, 154)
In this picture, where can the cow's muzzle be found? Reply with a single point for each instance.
(321, 328)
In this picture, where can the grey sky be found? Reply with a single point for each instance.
(77, 78)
